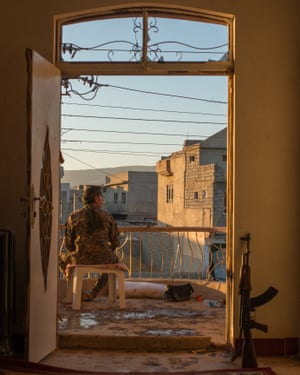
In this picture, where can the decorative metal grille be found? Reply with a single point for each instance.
(145, 38)
(143, 48)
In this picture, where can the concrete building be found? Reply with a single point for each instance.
(192, 184)
(263, 150)
(70, 200)
(132, 196)
(192, 192)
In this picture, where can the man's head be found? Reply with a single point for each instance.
(90, 193)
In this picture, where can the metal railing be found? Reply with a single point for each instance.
(173, 252)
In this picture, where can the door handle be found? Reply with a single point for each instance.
(45, 206)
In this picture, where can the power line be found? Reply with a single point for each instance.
(120, 152)
(95, 86)
(145, 154)
(80, 161)
(118, 142)
(104, 171)
(146, 109)
(147, 120)
(162, 94)
(133, 132)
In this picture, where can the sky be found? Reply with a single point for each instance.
(137, 120)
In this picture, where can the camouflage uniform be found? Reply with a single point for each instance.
(82, 247)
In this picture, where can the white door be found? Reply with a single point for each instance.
(44, 146)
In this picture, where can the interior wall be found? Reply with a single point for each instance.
(267, 154)
(266, 133)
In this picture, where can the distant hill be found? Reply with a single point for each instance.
(97, 176)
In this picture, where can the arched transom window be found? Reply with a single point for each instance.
(145, 41)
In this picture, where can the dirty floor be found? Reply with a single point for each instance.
(92, 338)
(148, 314)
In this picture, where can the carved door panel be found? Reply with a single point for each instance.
(44, 144)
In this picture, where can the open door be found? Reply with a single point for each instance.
(43, 150)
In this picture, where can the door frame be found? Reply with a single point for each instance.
(70, 70)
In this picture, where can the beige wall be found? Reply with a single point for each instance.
(169, 213)
(267, 154)
(265, 144)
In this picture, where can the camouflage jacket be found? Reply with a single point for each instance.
(80, 247)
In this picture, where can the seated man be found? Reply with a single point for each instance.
(91, 237)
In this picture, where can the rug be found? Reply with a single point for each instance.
(21, 367)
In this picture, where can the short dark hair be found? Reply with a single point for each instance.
(89, 193)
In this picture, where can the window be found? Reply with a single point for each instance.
(169, 193)
(144, 39)
(143, 35)
(116, 197)
(195, 195)
(191, 158)
(123, 197)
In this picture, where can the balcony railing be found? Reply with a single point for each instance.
(173, 252)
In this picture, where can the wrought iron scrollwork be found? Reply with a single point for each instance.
(156, 52)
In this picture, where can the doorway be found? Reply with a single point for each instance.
(155, 69)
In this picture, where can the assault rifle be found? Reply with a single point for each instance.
(245, 347)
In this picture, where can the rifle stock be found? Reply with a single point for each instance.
(248, 351)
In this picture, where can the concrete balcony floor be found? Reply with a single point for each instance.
(150, 335)
(147, 317)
